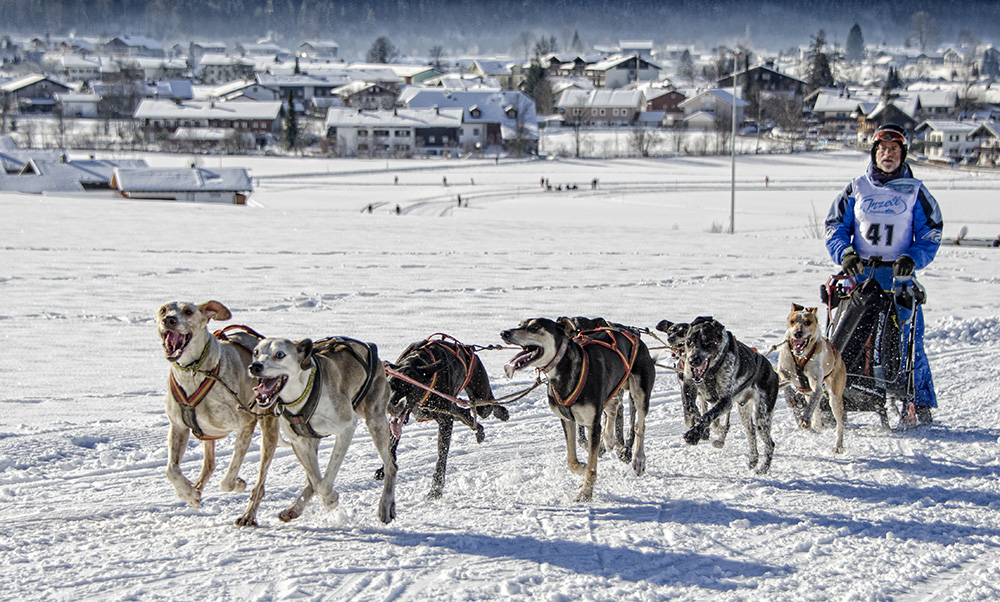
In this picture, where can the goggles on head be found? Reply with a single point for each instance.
(891, 136)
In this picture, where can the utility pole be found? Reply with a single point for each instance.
(732, 198)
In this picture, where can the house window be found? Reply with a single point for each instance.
(362, 133)
(382, 133)
(602, 112)
(577, 112)
(593, 111)
(475, 131)
(614, 112)
(431, 139)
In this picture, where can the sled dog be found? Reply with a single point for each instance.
(210, 395)
(808, 363)
(693, 404)
(584, 374)
(724, 372)
(444, 365)
(323, 389)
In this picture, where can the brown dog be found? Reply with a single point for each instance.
(208, 396)
(808, 363)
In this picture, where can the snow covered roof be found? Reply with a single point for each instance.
(613, 61)
(185, 179)
(44, 175)
(947, 126)
(166, 109)
(600, 98)
(725, 96)
(402, 118)
(16, 84)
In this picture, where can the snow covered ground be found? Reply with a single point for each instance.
(86, 512)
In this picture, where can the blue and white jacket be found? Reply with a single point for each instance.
(885, 216)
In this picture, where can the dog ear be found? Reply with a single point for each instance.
(664, 325)
(305, 350)
(701, 319)
(811, 310)
(797, 307)
(215, 311)
(567, 325)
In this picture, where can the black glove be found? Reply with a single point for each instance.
(852, 264)
(902, 267)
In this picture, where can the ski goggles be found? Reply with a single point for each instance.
(891, 136)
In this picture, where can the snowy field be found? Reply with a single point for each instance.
(86, 512)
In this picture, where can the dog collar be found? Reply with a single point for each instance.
(305, 394)
(196, 366)
(807, 356)
(558, 358)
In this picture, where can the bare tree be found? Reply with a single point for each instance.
(437, 55)
(642, 140)
(382, 51)
(923, 30)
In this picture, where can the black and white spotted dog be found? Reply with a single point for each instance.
(693, 404)
(726, 372)
(443, 364)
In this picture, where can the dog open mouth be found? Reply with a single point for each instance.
(698, 372)
(268, 390)
(528, 355)
(799, 345)
(174, 344)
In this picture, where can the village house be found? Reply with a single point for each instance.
(193, 184)
(397, 132)
(218, 68)
(711, 109)
(256, 121)
(33, 93)
(501, 72)
(944, 140)
(600, 107)
(986, 138)
(490, 118)
(366, 96)
(133, 46)
(320, 50)
(619, 71)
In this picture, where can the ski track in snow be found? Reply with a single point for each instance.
(87, 513)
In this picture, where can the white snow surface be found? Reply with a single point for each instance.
(86, 512)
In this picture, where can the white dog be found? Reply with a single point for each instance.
(324, 390)
(210, 395)
(808, 363)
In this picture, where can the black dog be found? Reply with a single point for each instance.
(445, 365)
(585, 372)
(677, 333)
(725, 371)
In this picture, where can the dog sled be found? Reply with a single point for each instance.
(864, 325)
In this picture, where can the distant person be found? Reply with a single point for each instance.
(885, 225)
(593, 184)
(767, 181)
(395, 179)
(996, 241)
(444, 180)
(398, 210)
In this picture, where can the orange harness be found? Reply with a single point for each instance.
(463, 353)
(800, 366)
(189, 402)
(587, 337)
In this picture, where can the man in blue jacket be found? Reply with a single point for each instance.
(888, 215)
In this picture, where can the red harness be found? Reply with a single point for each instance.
(800, 366)
(587, 337)
(465, 355)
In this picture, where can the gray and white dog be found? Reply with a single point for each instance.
(322, 390)
(726, 372)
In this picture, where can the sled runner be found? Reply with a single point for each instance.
(863, 324)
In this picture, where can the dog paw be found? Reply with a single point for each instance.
(332, 500)
(693, 436)
(237, 486)
(501, 413)
(289, 515)
(752, 463)
(838, 449)
(379, 474)
(639, 466)
(625, 454)
(719, 443)
(480, 434)
(577, 468)
(246, 520)
(585, 495)
(387, 512)
(435, 494)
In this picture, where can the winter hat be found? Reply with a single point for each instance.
(892, 133)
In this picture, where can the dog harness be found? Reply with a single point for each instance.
(188, 403)
(465, 355)
(300, 422)
(587, 337)
(801, 364)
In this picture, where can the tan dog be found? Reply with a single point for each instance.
(209, 395)
(321, 390)
(808, 363)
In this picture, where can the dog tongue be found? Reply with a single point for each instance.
(396, 428)
(267, 389)
(174, 342)
(517, 362)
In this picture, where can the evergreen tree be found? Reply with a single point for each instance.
(820, 73)
(291, 125)
(855, 45)
(537, 87)
(686, 69)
